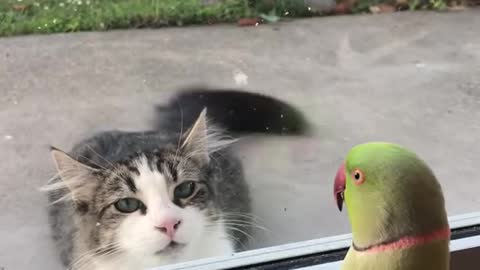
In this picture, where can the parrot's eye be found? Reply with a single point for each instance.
(358, 177)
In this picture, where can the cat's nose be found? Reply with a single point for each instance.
(169, 226)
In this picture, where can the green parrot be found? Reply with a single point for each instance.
(396, 210)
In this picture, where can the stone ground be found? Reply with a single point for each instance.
(409, 78)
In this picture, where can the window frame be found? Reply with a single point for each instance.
(323, 253)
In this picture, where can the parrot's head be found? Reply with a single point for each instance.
(388, 190)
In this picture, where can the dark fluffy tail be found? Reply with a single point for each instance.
(236, 111)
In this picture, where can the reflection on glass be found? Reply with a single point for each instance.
(126, 200)
(146, 171)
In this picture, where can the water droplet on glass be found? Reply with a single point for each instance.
(240, 77)
(420, 65)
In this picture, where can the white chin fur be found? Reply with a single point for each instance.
(143, 244)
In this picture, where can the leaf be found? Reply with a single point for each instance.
(413, 4)
(382, 8)
(248, 22)
(20, 7)
(343, 8)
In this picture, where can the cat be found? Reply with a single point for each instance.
(136, 200)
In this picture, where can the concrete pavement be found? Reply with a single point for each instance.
(409, 78)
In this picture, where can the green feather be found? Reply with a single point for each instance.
(399, 197)
(432, 256)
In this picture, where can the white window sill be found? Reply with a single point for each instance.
(305, 248)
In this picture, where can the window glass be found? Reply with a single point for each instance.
(174, 130)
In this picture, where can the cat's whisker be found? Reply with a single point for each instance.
(66, 197)
(238, 214)
(181, 131)
(54, 178)
(62, 185)
(246, 224)
(91, 258)
(97, 249)
(232, 227)
(242, 217)
(245, 219)
(236, 240)
(239, 218)
(54, 186)
(245, 215)
(229, 237)
(241, 231)
(82, 262)
(86, 256)
(103, 167)
(233, 218)
(100, 156)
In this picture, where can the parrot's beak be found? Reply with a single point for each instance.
(339, 186)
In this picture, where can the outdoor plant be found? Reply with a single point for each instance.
(52, 16)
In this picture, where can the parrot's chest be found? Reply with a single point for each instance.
(434, 256)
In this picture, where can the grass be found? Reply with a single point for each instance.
(50, 16)
(364, 5)
(19, 17)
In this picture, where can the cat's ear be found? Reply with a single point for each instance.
(76, 176)
(195, 142)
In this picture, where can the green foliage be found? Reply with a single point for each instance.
(364, 5)
(438, 4)
(48, 16)
(52, 16)
(428, 4)
(288, 8)
(414, 4)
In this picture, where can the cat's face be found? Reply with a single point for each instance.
(152, 205)
(156, 204)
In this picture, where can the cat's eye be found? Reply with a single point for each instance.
(128, 205)
(184, 190)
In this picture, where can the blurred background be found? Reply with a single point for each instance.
(401, 71)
